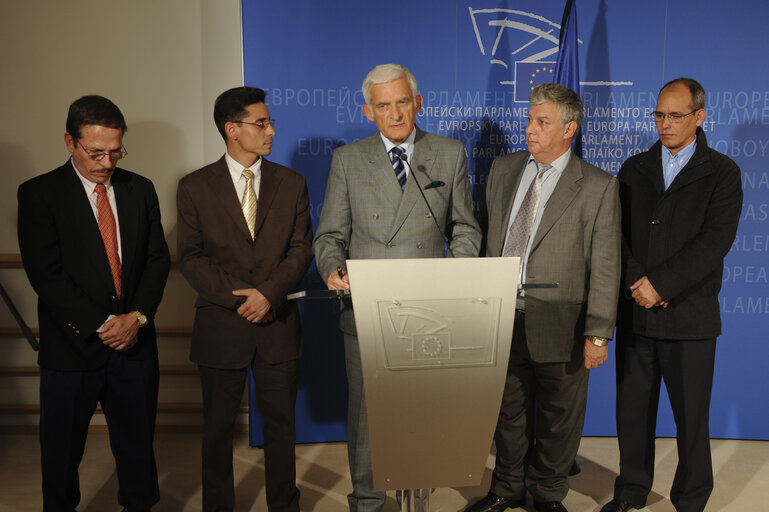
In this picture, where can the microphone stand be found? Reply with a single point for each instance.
(404, 158)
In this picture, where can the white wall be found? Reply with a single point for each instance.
(163, 62)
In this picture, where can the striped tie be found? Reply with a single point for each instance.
(398, 166)
(520, 229)
(107, 227)
(249, 202)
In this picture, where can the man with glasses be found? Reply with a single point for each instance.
(681, 202)
(244, 244)
(94, 251)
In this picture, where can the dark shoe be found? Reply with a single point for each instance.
(493, 503)
(618, 506)
(549, 506)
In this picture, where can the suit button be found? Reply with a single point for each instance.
(655, 222)
(77, 331)
(113, 297)
(419, 245)
(376, 216)
(388, 245)
(427, 216)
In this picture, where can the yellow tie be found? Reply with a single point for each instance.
(249, 202)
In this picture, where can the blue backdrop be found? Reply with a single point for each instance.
(474, 61)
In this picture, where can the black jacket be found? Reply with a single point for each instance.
(678, 238)
(65, 260)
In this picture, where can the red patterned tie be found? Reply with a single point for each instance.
(108, 233)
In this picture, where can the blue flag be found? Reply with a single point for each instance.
(567, 65)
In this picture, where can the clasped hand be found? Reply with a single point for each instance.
(645, 294)
(256, 308)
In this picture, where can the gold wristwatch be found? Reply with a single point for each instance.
(140, 317)
(598, 341)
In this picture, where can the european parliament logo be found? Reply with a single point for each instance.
(523, 45)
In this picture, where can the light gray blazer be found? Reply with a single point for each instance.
(366, 215)
(577, 245)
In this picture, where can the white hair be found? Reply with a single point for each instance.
(384, 73)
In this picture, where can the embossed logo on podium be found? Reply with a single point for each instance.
(425, 333)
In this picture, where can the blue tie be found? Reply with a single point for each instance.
(398, 166)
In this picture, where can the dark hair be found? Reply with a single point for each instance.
(96, 110)
(698, 92)
(231, 105)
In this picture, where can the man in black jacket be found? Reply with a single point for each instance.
(94, 251)
(681, 203)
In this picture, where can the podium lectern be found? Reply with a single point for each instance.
(434, 340)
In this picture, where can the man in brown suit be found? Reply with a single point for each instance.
(244, 244)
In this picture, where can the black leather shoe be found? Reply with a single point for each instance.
(618, 506)
(493, 503)
(549, 506)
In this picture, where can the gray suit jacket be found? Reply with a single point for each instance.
(577, 245)
(366, 215)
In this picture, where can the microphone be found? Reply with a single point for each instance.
(432, 184)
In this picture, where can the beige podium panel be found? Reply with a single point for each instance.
(434, 340)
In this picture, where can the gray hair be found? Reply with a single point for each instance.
(384, 73)
(568, 102)
(698, 92)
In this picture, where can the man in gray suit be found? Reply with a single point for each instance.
(373, 209)
(562, 217)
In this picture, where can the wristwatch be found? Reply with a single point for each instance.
(140, 317)
(598, 341)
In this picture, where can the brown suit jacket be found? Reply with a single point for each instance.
(217, 256)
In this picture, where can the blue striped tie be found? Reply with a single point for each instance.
(398, 166)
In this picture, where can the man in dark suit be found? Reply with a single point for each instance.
(373, 209)
(560, 215)
(94, 251)
(244, 245)
(681, 203)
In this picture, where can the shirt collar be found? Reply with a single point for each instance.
(682, 156)
(560, 163)
(406, 145)
(236, 169)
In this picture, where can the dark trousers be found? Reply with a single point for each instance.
(687, 370)
(275, 390)
(559, 391)
(128, 393)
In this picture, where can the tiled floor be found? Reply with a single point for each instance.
(741, 471)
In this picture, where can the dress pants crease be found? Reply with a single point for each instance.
(687, 368)
(128, 394)
(275, 387)
(542, 401)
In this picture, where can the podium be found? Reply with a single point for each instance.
(434, 339)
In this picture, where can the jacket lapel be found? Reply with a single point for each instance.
(128, 218)
(421, 164)
(78, 207)
(220, 183)
(563, 195)
(268, 189)
(651, 167)
(511, 180)
(378, 165)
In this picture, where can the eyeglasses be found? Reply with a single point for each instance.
(259, 124)
(98, 154)
(674, 117)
